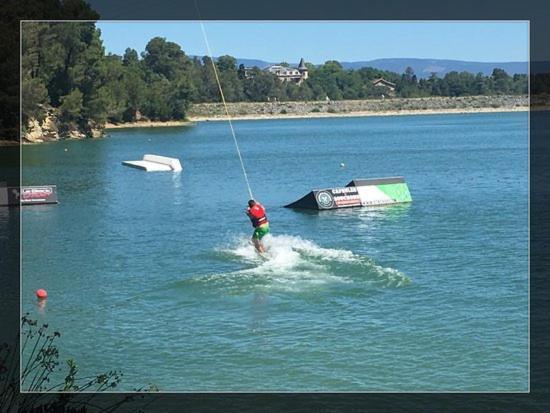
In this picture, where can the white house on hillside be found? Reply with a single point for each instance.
(287, 74)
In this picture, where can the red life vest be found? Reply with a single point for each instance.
(257, 215)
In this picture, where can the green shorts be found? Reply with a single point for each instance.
(260, 231)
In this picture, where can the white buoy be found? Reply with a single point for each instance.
(342, 165)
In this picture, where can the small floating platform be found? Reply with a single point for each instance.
(357, 193)
(28, 195)
(155, 163)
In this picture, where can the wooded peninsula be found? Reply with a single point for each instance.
(70, 82)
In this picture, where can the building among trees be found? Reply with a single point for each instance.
(290, 74)
(245, 72)
(381, 82)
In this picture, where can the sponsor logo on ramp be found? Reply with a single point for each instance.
(325, 200)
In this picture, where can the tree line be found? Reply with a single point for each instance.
(64, 66)
(12, 12)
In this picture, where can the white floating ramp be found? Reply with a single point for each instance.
(153, 163)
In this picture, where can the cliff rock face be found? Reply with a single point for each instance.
(51, 129)
(44, 131)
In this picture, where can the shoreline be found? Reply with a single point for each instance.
(192, 120)
(403, 112)
(149, 124)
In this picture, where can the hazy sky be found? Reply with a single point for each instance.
(317, 42)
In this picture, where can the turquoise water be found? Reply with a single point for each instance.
(152, 274)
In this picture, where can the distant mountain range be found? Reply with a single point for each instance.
(422, 67)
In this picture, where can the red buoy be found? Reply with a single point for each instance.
(41, 294)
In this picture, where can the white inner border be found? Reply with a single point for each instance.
(313, 391)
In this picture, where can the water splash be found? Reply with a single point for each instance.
(298, 265)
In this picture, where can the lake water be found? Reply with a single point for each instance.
(152, 274)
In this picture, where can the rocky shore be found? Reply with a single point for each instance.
(148, 124)
(396, 106)
(49, 129)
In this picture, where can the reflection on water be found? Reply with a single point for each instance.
(177, 186)
(385, 211)
(363, 217)
(259, 311)
(41, 305)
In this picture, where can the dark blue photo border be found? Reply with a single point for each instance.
(535, 11)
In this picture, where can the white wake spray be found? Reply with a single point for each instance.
(293, 263)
